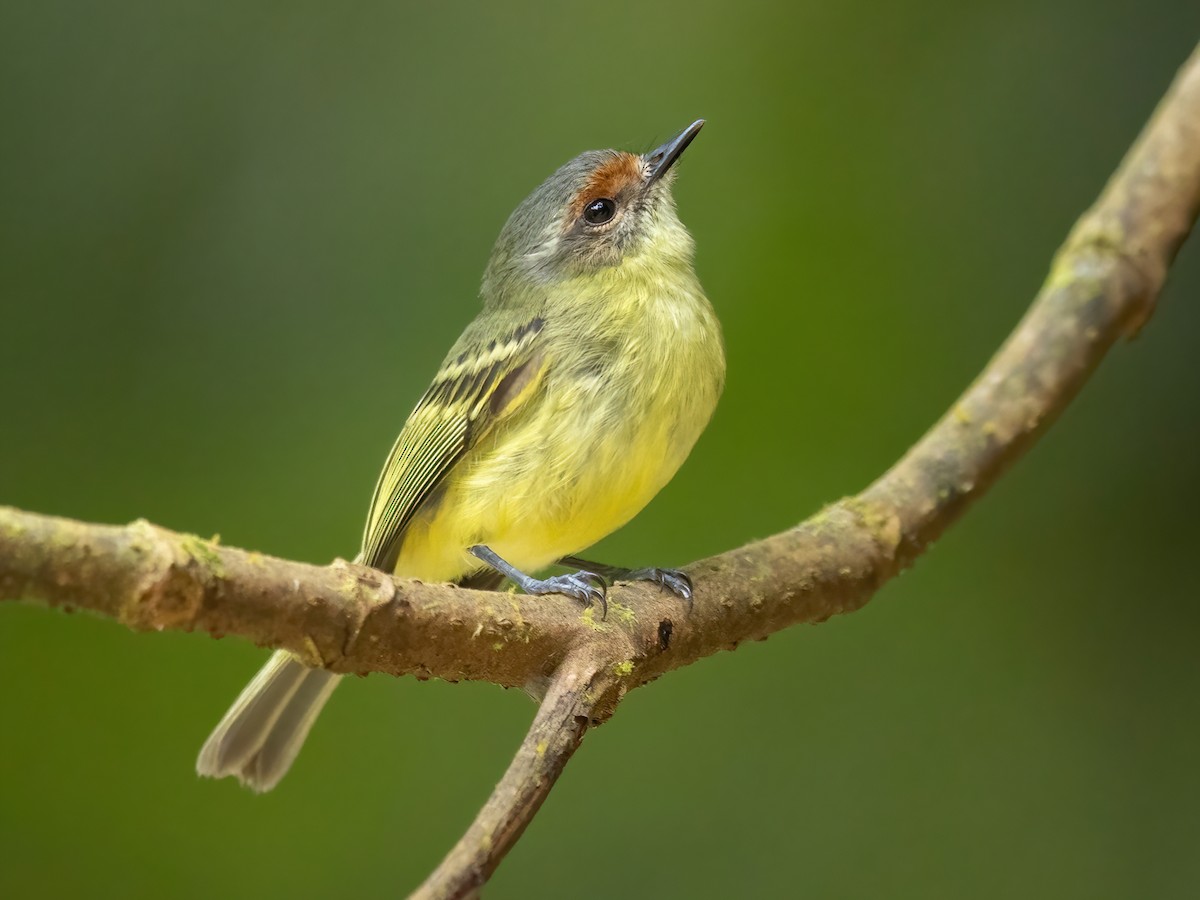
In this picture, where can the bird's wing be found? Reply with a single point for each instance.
(482, 381)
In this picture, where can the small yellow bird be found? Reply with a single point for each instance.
(564, 407)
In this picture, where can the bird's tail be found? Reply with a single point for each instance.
(266, 726)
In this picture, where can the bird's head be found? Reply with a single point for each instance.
(603, 209)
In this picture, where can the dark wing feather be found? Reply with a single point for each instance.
(474, 389)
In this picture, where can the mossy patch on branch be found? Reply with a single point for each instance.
(204, 553)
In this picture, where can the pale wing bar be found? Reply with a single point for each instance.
(450, 418)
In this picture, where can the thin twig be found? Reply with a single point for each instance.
(557, 731)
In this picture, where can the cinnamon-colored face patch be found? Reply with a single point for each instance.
(609, 180)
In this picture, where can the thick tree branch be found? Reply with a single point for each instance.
(1103, 284)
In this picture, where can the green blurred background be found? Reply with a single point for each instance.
(237, 238)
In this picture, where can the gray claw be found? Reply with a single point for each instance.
(678, 583)
(585, 586)
(597, 591)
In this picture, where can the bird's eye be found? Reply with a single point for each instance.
(599, 211)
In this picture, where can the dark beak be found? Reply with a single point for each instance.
(664, 157)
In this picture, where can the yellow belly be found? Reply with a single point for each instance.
(582, 461)
(541, 491)
(633, 375)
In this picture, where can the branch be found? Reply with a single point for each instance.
(556, 732)
(1103, 284)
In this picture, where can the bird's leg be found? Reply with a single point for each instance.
(586, 586)
(675, 581)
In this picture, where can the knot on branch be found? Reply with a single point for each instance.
(879, 520)
(174, 578)
(1099, 261)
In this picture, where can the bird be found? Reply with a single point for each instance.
(573, 397)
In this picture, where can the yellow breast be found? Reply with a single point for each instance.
(624, 399)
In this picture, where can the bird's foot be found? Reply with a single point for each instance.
(582, 585)
(586, 586)
(675, 581)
